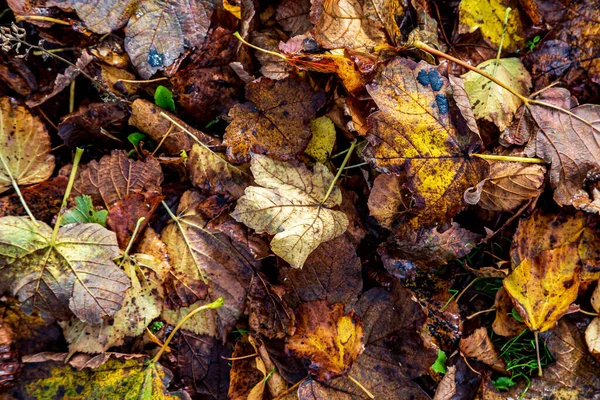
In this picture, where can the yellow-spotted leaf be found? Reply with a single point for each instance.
(492, 102)
(24, 146)
(289, 204)
(542, 288)
(323, 139)
(488, 16)
(72, 272)
(414, 132)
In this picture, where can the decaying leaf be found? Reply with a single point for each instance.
(413, 132)
(323, 139)
(292, 15)
(125, 215)
(492, 102)
(43, 199)
(206, 266)
(329, 337)
(25, 144)
(509, 185)
(592, 333)
(505, 324)
(274, 122)
(488, 16)
(212, 173)
(479, 346)
(290, 204)
(73, 272)
(389, 199)
(93, 123)
(270, 316)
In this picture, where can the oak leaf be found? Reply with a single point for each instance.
(492, 102)
(72, 272)
(413, 132)
(25, 146)
(329, 337)
(290, 204)
(488, 16)
(274, 122)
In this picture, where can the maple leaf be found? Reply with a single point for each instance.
(290, 203)
(413, 133)
(488, 16)
(25, 146)
(330, 338)
(70, 271)
(274, 122)
(491, 101)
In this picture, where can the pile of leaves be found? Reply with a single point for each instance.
(326, 199)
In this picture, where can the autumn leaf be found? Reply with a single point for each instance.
(505, 324)
(492, 102)
(330, 338)
(592, 332)
(70, 272)
(413, 133)
(488, 16)
(25, 154)
(509, 185)
(356, 24)
(274, 122)
(479, 346)
(321, 144)
(43, 199)
(292, 15)
(290, 203)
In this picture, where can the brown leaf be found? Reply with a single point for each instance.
(146, 117)
(479, 346)
(124, 214)
(292, 15)
(414, 133)
(43, 199)
(212, 173)
(388, 199)
(116, 176)
(334, 279)
(509, 185)
(356, 24)
(93, 123)
(269, 314)
(275, 122)
(447, 387)
(329, 337)
(244, 375)
(505, 324)
(272, 67)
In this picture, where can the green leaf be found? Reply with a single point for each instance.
(515, 315)
(136, 137)
(439, 365)
(503, 383)
(84, 211)
(164, 98)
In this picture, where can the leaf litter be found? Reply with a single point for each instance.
(299, 199)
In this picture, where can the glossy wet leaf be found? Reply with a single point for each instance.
(84, 211)
(329, 337)
(414, 133)
(25, 146)
(439, 365)
(74, 273)
(164, 98)
(287, 204)
(274, 122)
(488, 16)
(492, 102)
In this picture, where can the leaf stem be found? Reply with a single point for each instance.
(339, 173)
(20, 18)
(133, 235)
(494, 157)
(142, 81)
(537, 350)
(78, 153)
(17, 190)
(273, 53)
(214, 305)
(364, 389)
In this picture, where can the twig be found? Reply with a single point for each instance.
(78, 153)
(339, 173)
(20, 18)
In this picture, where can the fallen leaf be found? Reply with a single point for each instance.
(413, 132)
(356, 24)
(388, 199)
(97, 123)
(247, 374)
(43, 199)
(146, 117)
(124, 215)
(321, 144)
(293, 16)
(212, 173)
(274, 122)
(543, 288)
(116, 176)
(447, 387)
(492, 102)
(505, 324)
(73, 271)
(509, 185)
(25, 143)
(479, 346)
(488, 17)
(592, 333)
(269, 314)
(272, 67)
(84, 211)
(207, 266)
(329, 337)
(289, 204)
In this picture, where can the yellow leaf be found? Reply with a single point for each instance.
(543, 288)
(488, 16)
(288, 205)
(323, 139)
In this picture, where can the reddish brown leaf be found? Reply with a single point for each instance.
(125, 213)
(93, 123)
(479, 346)
(43, 199)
